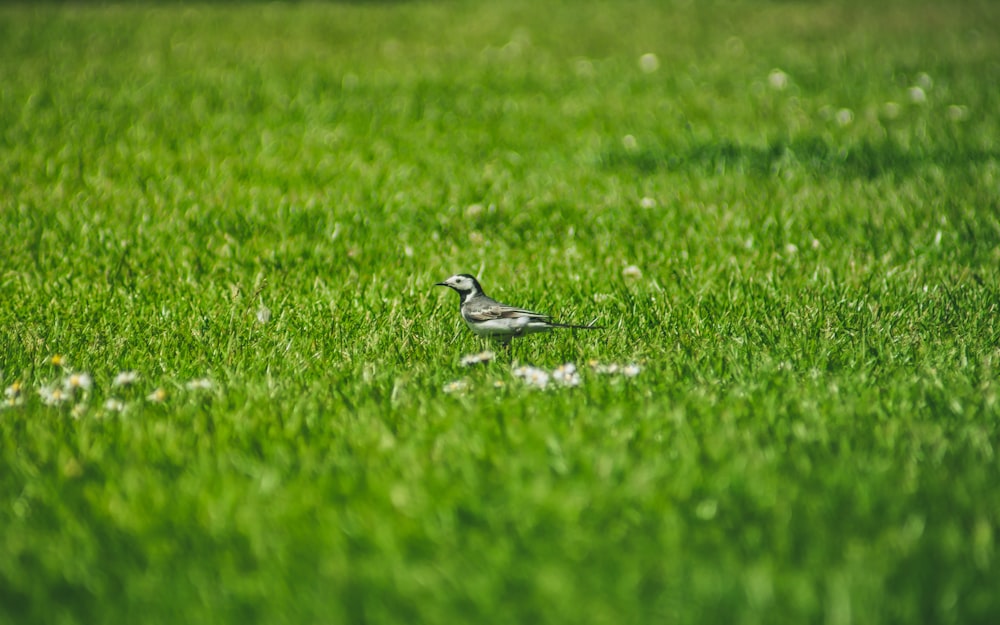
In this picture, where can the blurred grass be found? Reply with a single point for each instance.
(808, 190)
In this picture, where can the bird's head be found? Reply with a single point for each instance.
(464, 283)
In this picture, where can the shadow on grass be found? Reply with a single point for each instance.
(816, 156)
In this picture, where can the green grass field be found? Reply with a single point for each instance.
(785, 214)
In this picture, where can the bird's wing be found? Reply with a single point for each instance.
(497, 310)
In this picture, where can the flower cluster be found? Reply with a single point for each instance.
(12, 395)
(72, 389)
(456, 386)
(568, 375)
(629, 370)
(476, 359)
(918, 94)
(565, 376)
(532, 376)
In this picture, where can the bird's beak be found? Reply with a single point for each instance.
(440, 284)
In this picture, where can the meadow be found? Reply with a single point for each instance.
(233, 394)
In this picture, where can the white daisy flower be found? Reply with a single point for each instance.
(629, 371)
(263, 314)
(456, 386)
(566, 375)
(602, 368)
(77, 382)
(52, 395)
(158, 396)
(632, 271)
(125, 378)
(13, 391)
(12, 396)
(523, 371)
(532, 376)
(475, 359)
(200, 384)
(649, 63)
(777, 79)
(113, 404)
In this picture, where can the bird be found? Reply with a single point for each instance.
(503, 323)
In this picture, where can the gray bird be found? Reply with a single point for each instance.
(487, 317)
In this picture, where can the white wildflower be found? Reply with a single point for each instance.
(566, 375)
(263, 314)
(125, 378)
(532, 376)
(52, 395)
(476, 359)
(199, 384)
(113, 404)
(13, 395)
(777, 79)
(77, 382)
(917, 95)
(602, 368)
(649, 63)
(629, 371)
(456, 386)
(632, 271)
(158, 396)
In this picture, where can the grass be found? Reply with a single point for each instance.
(791, 224)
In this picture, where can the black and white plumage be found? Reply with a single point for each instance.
(489, 318)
